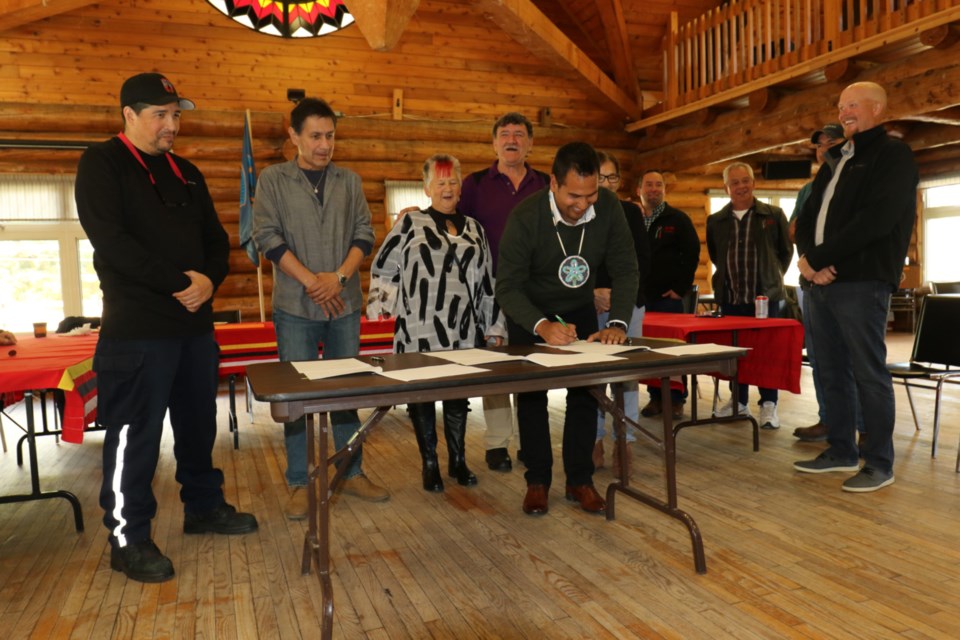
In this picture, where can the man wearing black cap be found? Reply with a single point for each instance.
(160, 252)
(830, 136)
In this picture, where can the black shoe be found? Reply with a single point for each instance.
(499, 459)
(224, 519)
(141, 561)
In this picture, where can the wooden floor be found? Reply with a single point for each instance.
(789, 555)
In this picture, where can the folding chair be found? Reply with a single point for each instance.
(935, 357)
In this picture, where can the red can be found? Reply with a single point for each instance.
(762, 306)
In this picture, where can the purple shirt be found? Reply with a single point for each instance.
(491, 199)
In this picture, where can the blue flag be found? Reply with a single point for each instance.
(248, 188)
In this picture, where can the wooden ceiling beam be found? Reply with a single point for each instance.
(618, 44)
(527, 25)
(382, 22)
(16, 13)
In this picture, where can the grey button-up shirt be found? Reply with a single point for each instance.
(286, 211)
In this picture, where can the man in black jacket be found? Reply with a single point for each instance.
(749, 243)
(674, 257)
(853, 234)
(160, 252)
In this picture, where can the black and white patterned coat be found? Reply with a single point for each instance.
(439, 286)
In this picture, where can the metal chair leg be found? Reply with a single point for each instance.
(913, 410)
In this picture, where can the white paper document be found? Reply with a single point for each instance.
(582, 346)
(432, 373)
(472, 356)
(566, 359)
(320, 369)
(691, 349)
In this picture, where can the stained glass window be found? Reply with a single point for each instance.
(287, 18)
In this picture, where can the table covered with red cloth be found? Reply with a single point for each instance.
(246, 343)
(66, 362)
(776, 344)
(56, 362)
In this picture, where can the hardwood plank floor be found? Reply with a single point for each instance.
(788, 555)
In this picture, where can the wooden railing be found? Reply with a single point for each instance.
(745, 40)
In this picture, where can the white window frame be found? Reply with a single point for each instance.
(67, 234)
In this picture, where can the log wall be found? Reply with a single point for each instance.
(377, 149)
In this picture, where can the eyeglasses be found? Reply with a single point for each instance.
(613, 178)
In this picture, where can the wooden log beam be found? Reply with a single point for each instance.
(16, 13)
(382, 21)
(522, 21)
(618, 43)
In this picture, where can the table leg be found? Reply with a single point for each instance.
(320, 488)
(35, 492)
(667, 444)
(232, 413)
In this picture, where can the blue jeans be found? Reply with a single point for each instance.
(746, 310)
(667, 305)
(848, 321)
(631, 390)
(808, 342)
(297, 340)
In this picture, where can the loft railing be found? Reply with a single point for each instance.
(746, 40)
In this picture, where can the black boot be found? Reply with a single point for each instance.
(424, 418)
(455, 429)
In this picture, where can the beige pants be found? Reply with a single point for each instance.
(499, 414)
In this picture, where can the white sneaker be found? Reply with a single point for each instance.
(727, 410)
(768, 416)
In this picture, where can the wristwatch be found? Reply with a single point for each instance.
(619, 324)
(342, 279)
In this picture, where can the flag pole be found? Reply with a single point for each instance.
(263, 315)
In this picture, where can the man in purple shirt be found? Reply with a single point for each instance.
(489, 196)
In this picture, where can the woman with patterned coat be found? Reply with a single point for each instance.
(433, 274)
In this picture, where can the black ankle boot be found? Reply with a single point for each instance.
(431, 475)
(424, 417)
(454, 429)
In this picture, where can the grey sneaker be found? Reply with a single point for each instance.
(824, 463)
(869, 479)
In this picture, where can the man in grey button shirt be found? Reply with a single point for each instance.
(312, 221)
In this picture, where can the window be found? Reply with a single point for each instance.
(941, 226)
(783, 199)
(401, 194)
(46, 262)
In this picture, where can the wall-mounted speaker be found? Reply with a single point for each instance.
(787, 170)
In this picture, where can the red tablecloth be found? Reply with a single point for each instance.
(66, 362)
(55, 362)
(776, 343)
(246, 343)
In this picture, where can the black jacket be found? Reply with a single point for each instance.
(774, 250)
(871, 215)
(674, 254)
(641, 245)
(142, 246)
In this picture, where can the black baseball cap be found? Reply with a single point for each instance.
(833, 131)
(153, 89)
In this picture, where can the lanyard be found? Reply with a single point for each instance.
(136, 154)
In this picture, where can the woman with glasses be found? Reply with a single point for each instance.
(610, 178)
